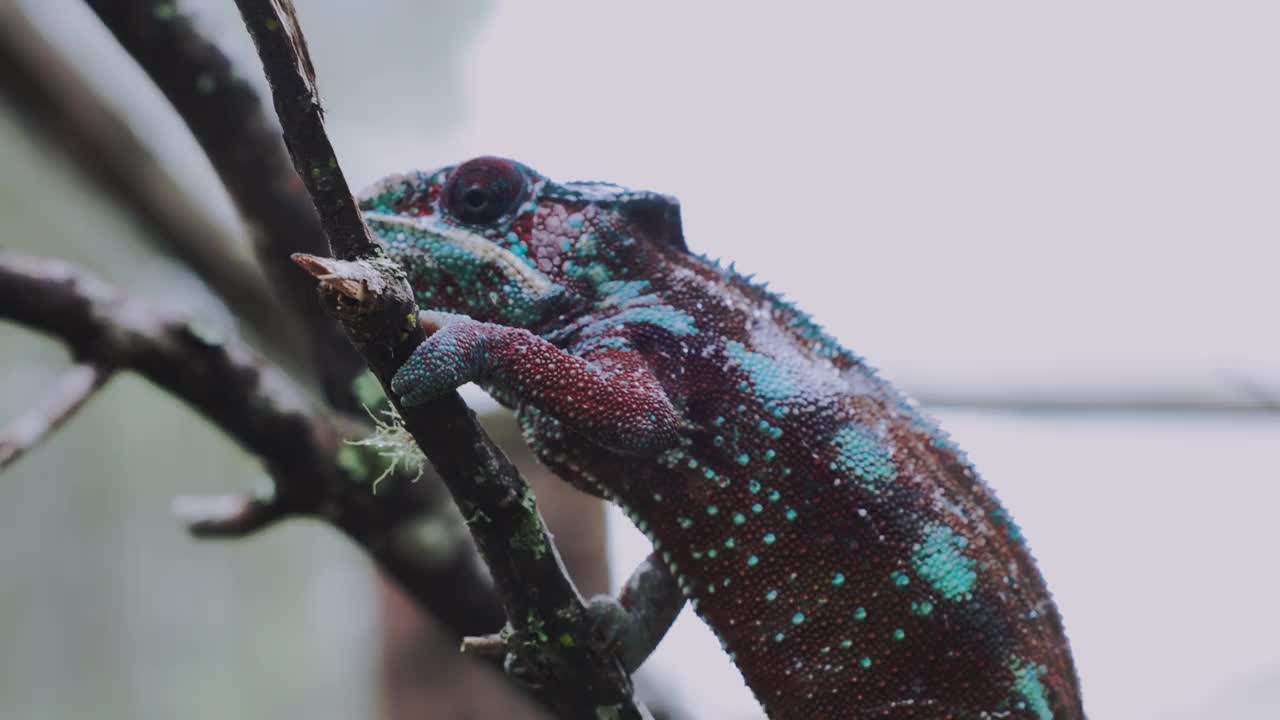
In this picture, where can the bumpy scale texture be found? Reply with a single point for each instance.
(849, 558)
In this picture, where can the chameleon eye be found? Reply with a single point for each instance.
(483, 190)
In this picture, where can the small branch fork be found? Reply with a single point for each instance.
(65, 399)
(221, 377)
(551, 646)
(256, 404)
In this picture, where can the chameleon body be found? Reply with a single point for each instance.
(849, 558)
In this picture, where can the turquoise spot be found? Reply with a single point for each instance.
(860, 614)
(713, 510)
(753, 561)
(676, 322)
(621, 292)
(791, 514)
(774, 496)
(730, 542)
(753, 486)
(838, 580)
(743, 459)
(899, 579)
(594, 272)
(684, 522)
(846, 644)
(712, 553)
(771, 595)
(771, 379)
(769, 538)
(797, 618)
(779, 637)
(599, 343)
(865, 662)
(941, 562)
(922, 608)
(862, 455)
(899, 634)
(769, 455)
(739, 518)
(1026, 682)
(757, 508)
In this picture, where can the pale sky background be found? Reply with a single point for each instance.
(985, 194)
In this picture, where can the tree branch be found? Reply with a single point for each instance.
(551, 647)
(257, 404)
(275, 31)
(242, 141)
(64, 399)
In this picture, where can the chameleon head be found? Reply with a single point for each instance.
(493, 239)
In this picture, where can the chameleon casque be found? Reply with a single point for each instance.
(848, 556)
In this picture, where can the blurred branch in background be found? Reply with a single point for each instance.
(257, 404)
(62, 106)
(77, 385)
(1230, 392)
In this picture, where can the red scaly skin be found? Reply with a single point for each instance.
(846, 553)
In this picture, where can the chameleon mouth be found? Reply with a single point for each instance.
(484, 250)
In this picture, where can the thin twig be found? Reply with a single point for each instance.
(551, 646)
(484, 646)
(226, 516)
(77, 385)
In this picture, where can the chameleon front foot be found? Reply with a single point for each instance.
(448, 358)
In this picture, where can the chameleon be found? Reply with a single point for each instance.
(843, 549)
